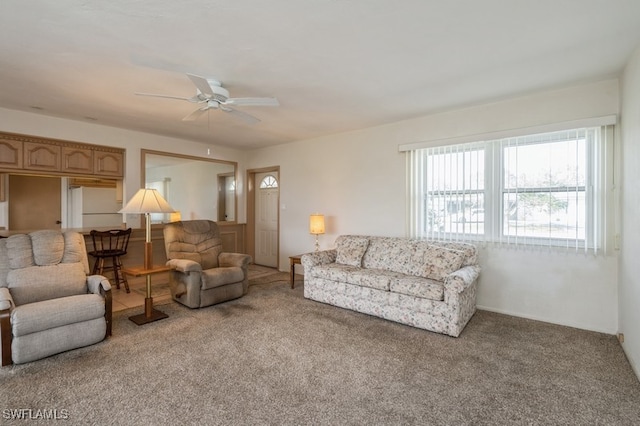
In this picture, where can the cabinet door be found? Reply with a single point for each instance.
(108, 163)
(41, 157)
(77, 160)
(10, 154)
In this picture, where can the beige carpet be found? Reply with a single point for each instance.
(273, 357)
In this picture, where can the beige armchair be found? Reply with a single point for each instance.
(48, 302)
(202, 275)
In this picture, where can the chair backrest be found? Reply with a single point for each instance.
(110, 243)
(43, 265)
(197, 240)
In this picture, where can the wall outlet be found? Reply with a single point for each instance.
(621, 337)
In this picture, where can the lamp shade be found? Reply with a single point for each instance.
(316, 224)
(147, 201)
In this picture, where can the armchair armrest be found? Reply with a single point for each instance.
(97, 284)
(460, 280)
(6, 301)
(322, 257)
(184, 265)
(6, 335)
(234, 259)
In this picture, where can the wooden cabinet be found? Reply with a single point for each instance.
(58, 157)
(10, 154)
(108, 163)
(39, 156)
(77, 160)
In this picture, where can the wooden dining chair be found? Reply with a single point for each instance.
(112, 245)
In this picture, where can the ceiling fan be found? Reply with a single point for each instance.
(211, 95)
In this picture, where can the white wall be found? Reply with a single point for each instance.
(80, 131)
(357, 180)
(630, 253)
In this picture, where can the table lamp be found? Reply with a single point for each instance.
(316, 227)
(147, 201)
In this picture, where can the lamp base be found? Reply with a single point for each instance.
(149, 315)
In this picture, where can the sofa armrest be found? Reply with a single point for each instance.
(234, 259)
(460, 280)
(322, 257)
(96, 283)
(6, 301)
(184, 265)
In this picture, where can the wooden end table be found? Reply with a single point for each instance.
(149, 314)
(293, 261)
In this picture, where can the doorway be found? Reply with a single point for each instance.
(35, 202)
(263, 215)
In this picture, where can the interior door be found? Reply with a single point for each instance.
(266, 217)
(35, 202)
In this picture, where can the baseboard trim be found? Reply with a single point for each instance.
(535, 318)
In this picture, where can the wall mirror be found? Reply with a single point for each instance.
(197, 188)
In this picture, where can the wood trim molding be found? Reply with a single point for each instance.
(26, 154)
(58, 142)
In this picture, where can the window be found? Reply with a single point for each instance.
(540, 189)
(544, 185)
(268, 182)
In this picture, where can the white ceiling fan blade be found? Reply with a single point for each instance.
(252, 102)
(247, 118)
(195, 114)
(182, 98)
(202, 84)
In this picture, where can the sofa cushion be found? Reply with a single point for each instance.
(48, 247)
(418, 287)
(19, 251)
(470, 251)
(37, 283)
(34, 317)
(440, 262)
(217, 277)
(75, 250)
(197, 240)
(373, 278)
(350, 250)
(332, 271)
(386, 253)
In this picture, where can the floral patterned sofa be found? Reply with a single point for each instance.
(425, 284)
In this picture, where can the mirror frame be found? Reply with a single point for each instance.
(143, 175)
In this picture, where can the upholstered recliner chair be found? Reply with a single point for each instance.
(202, 275)
(48, 302)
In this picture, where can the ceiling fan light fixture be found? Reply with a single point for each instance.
(219, 93)
(211, 95)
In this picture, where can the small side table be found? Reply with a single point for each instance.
(149, 314)
(293, 261)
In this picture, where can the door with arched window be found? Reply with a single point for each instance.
(266, 218)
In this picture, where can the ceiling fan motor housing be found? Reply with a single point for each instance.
(220, 94)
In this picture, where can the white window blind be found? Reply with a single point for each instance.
(540, 190)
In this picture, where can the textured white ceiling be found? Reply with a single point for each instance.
(334, 65)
